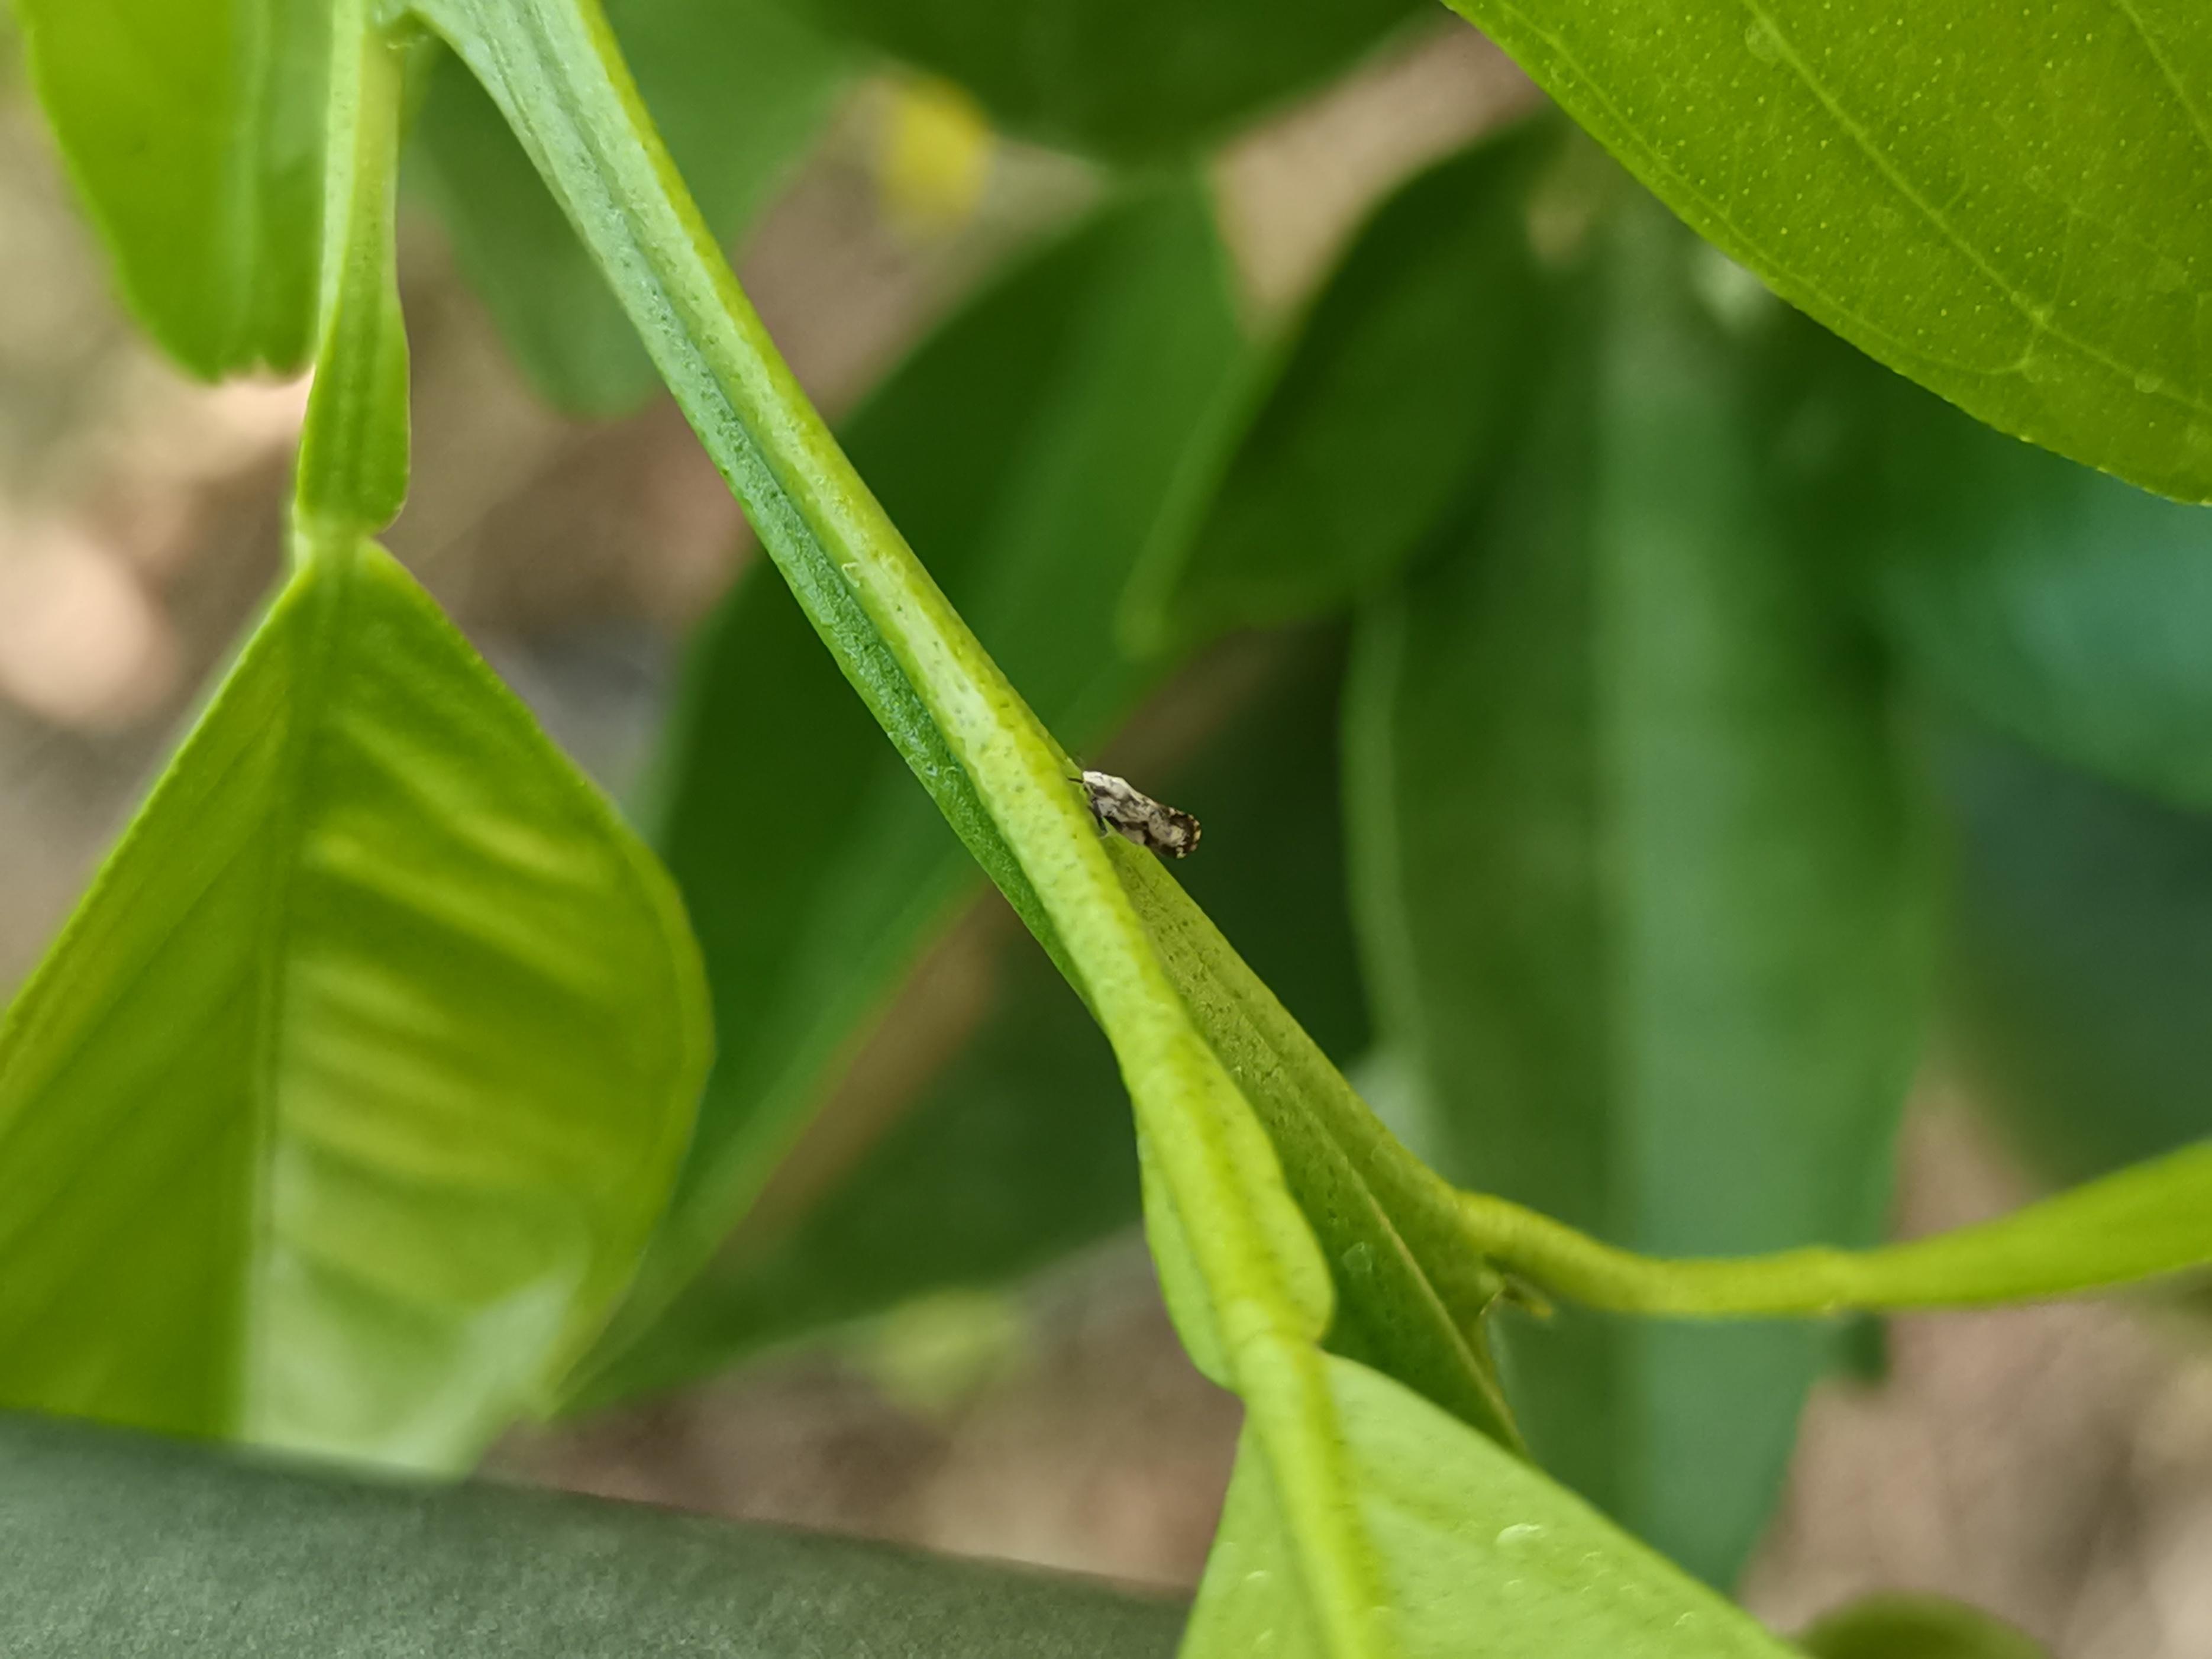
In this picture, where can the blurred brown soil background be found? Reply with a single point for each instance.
(2051, 1464)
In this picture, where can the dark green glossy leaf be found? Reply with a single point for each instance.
(1981, 194)
(192, 129)
(739, 89)
(339, 1114)
(2055, 603)
(1028, 448)
(1639, 881)
(1125, 78)
(2081, 955)
(1916, 1627)
(1382, 408)
(118, 1545)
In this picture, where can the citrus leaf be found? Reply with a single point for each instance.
(119, 1544)
(376, 990)
(192, 129)
(1483, 1556)
(1139, 79)
(336, 1118)
(2054, 603)
(1981, 195)
(1642, 884)
(1408, 367)
(740, 88)
(2080, 954)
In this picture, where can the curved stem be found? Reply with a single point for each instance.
(2146, 1222)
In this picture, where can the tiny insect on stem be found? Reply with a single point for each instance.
(1134, 815)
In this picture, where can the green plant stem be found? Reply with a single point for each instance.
(354, 449)
(2148, 1221)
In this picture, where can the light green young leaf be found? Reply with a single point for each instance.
(1409, 367)
(740, 89)
(1029, 448)
(338, 1113)
(1641, 887)
(1483, 1558)
(1916, 1627)
(192, 129)
(1130, 79)
(338, 1116)
(120, 1545)
(1980, 194)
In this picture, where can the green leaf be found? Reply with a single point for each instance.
(1408, 369)
(1018, 1153)
(192, 129)
(120, 1545)
(1410, 1294)
(1130, 79)
(338, 1114)
(1980, 194)
(1483, 1558)
(1641, 883)
(2055, 603)
(2081, 955)
(1029, 447)
(740, 88)
(1916, 1627)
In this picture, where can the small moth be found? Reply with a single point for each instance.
(1134, 815)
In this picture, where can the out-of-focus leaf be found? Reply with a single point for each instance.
(1028, 448)
(1386, 404)
(1640, 883)
(738, 88)
(1481, 1555)
(1019, 1152)
(118, 1544)
(2056, 603)
(192, 129)
(338, 1116)
(1022, 1149)
(1916, 1627)
(1129, 79)
(1980, 194)
(2079, 955)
